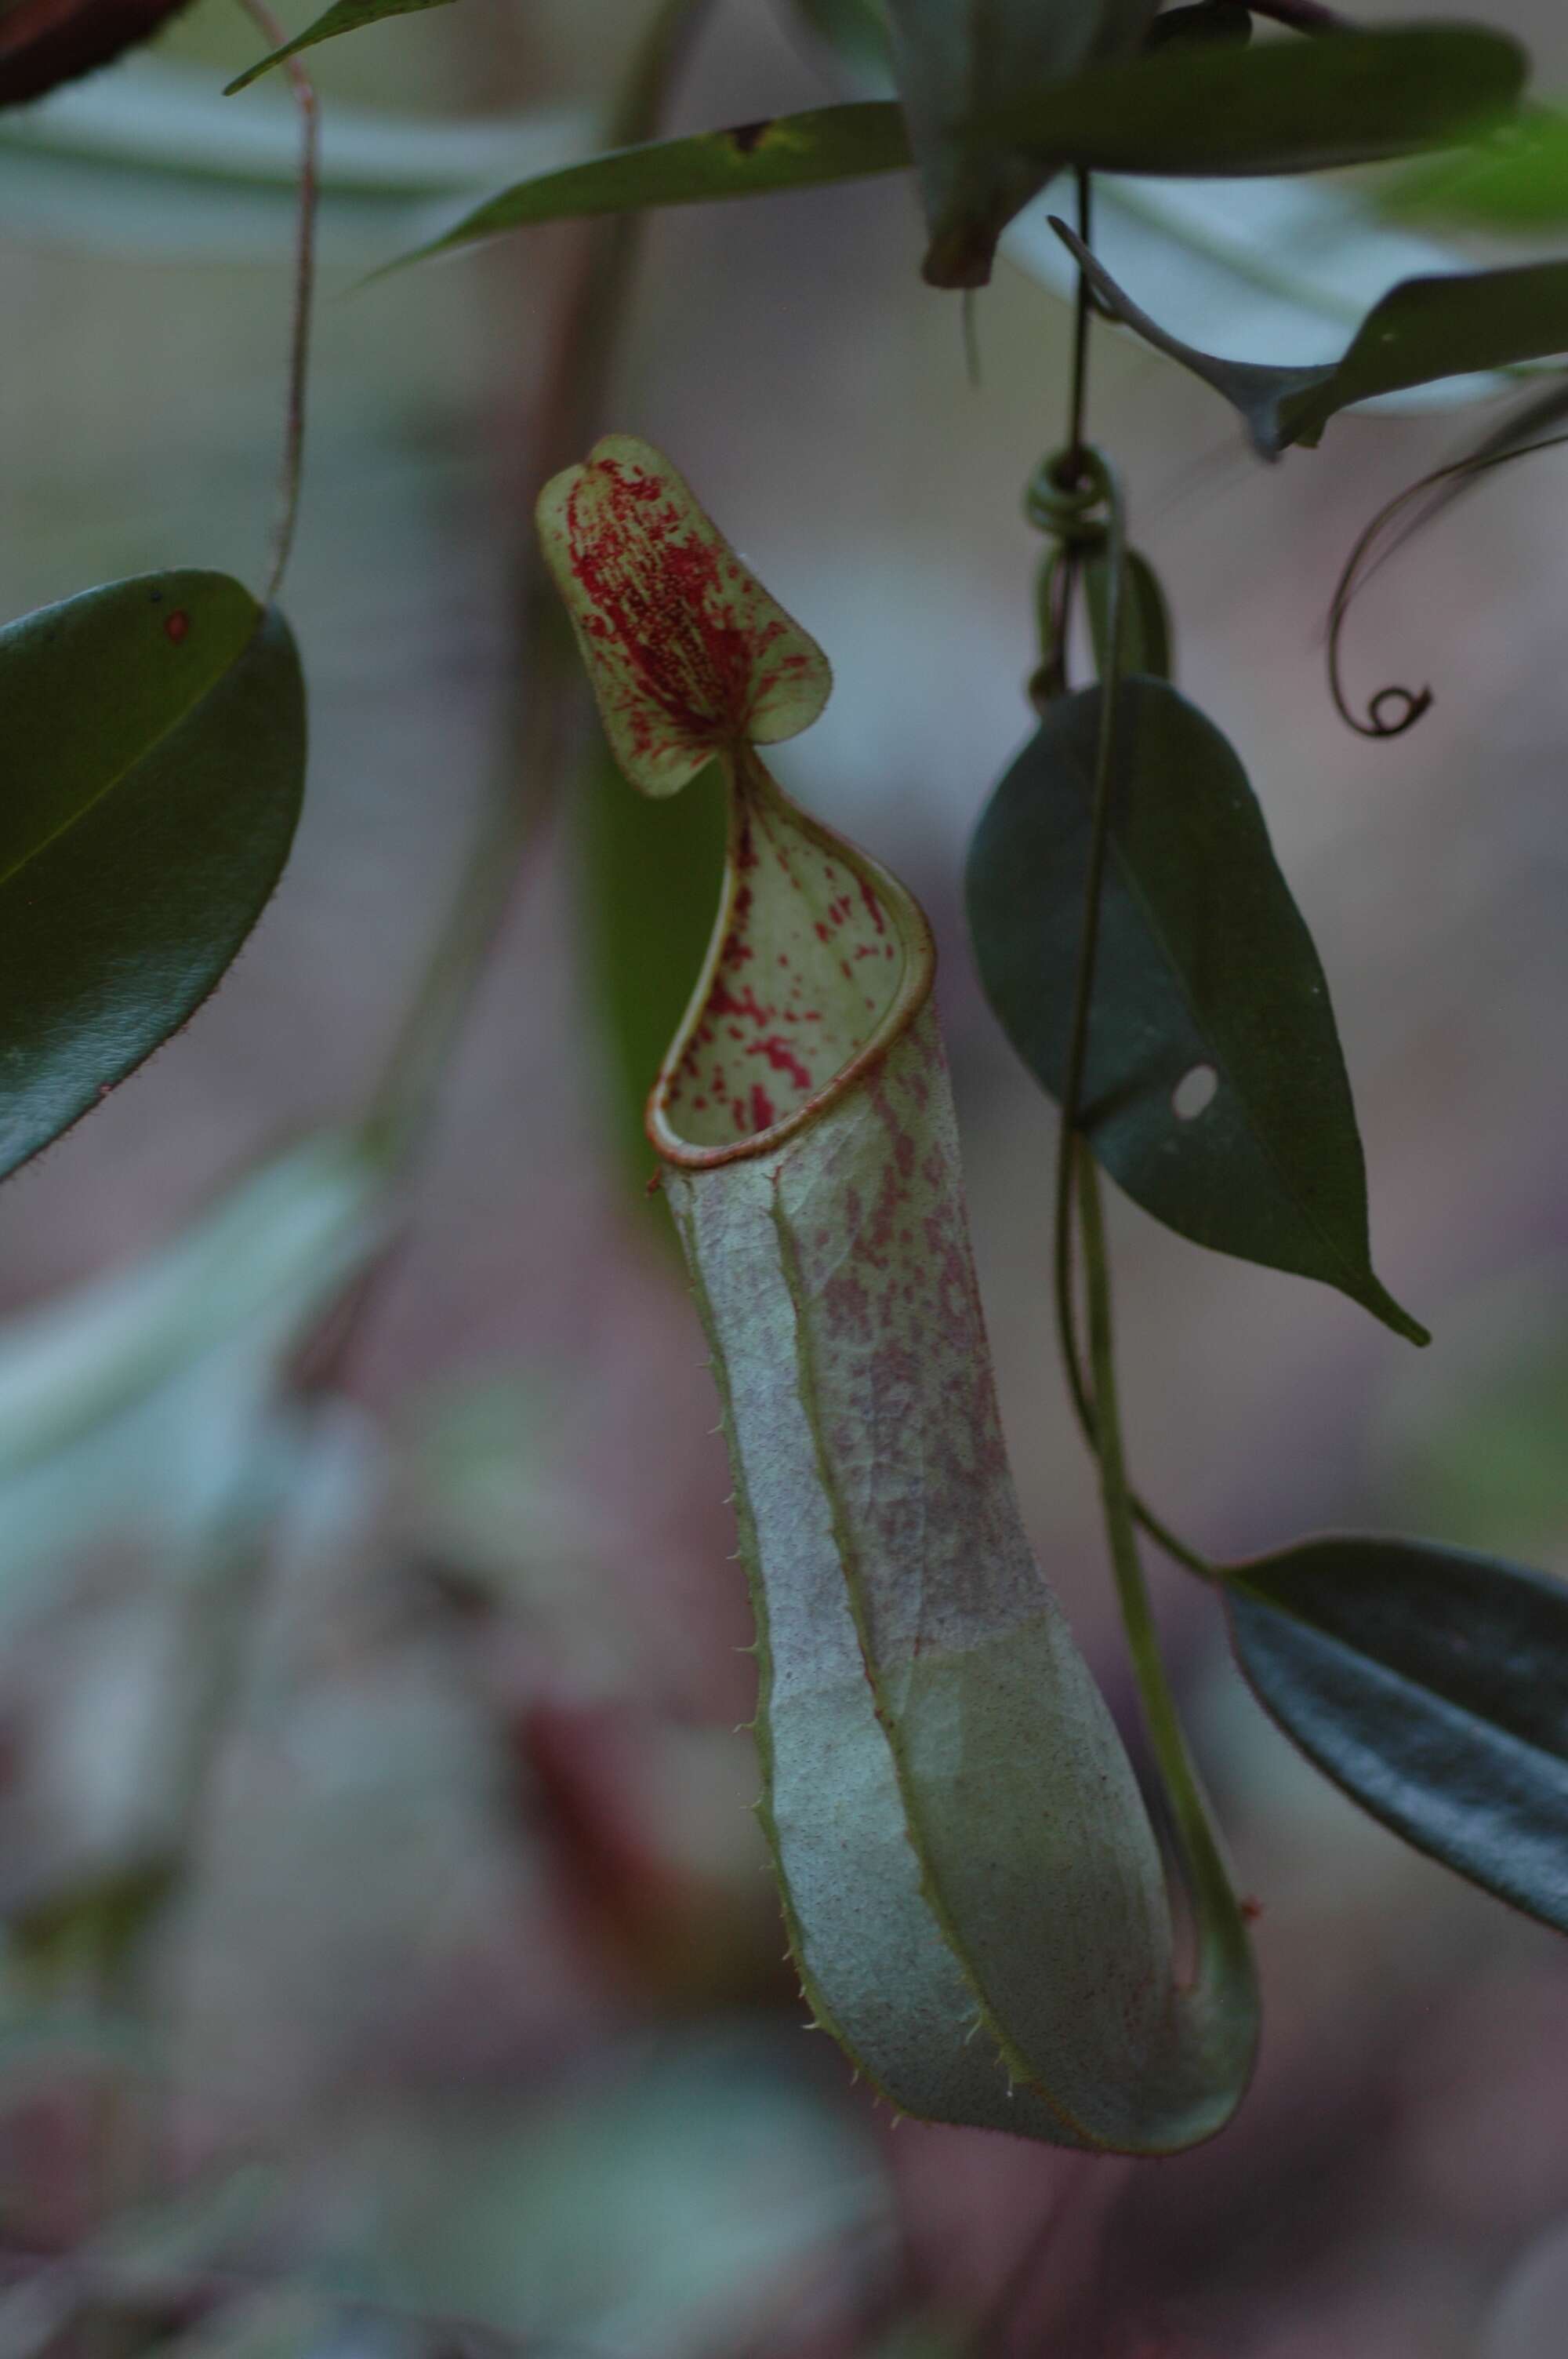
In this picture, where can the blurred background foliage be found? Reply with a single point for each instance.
(389, 1966)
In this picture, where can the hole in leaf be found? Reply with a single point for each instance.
(1194, 1092)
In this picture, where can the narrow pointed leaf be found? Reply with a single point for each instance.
(974, 1898)
(858, 31)
(343, 16)
(791, 151)
(1195, 109)
(1433, 1686)
(1207, 979)
(958, 62)
(153, 764)
(1460, 325)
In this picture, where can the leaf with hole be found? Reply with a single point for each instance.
(1433, 1686)
(1195, 109)
(789, 151)
(957, 63)
(1204, 960)
(1460, 325)
(155, 761)
(343, 16)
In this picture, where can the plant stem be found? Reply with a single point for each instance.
(292, 470)
(1165, 1734)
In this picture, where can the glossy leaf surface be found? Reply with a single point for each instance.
(1206, 980)
(343, 16)
(1278, 106)
(155, 760)
(791, 151)
(959, 63)
(1433, 1686)
(1464, 324)
(974, 1897)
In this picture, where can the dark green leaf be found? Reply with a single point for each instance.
(1432, 1685)
(1146, 635)
(1280, 106)
(959, 63)
(154, 759)
(791, 151)
(345, 17)
(1463, 324)
(1517, 179)
(651, 876)
(1206, 973)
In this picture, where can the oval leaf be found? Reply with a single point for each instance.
(1460, 325)
(1433, 1686)
(1195, 108)
(343, 16)
(791, 151)
(155, 764)
(1214, 1090)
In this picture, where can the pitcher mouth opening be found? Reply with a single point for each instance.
(818, 962)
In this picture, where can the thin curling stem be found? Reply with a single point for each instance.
(1407, 705)
(291, 473)
(1220, 1926)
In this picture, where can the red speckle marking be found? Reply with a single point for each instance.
(176, 627)
(1251, 1909)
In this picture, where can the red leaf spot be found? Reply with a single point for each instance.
(176, 627)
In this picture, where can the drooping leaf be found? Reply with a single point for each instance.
(1196, 109)
(791, 151)
(1432, 1685)
(1515, 181)
(153, 760)
(650, 886)
(972, 1892)
(1215, 1092)
(343, 16)
(958, 62)
(1147, 640)
(45, 42)
(1252, 268)
(1460, 325)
